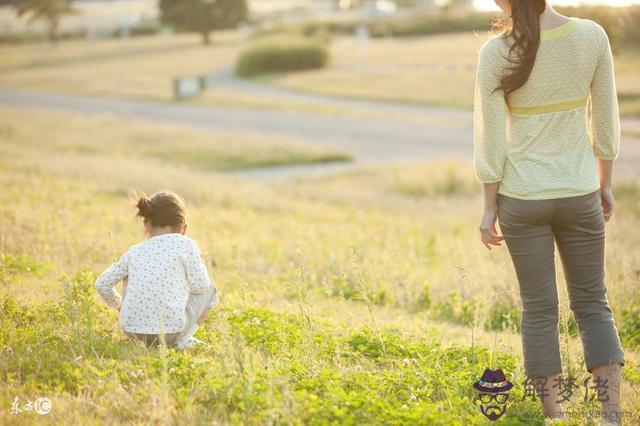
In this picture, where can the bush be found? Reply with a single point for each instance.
(275, 57)
(619, 22)
(431, 24)
(391, 26)
(500, 315)
(145, 28)
(456, 310)
(318, 28)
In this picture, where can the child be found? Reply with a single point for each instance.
(167, 291)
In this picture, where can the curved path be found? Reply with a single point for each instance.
(442, 133)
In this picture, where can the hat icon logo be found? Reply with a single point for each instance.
(493, 390)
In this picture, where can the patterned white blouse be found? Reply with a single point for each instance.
(159, 274)
(546, 142)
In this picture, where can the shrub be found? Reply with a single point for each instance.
(145, 28)
(276, 57)
(431, 24)
(500, 315)
(619, 22)
(319, 28)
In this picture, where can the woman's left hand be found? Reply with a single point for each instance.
(488, 232)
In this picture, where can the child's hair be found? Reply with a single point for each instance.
(162, 209)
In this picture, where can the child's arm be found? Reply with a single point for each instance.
(197, 274)
(109, 278)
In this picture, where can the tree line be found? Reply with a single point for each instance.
(199, 16)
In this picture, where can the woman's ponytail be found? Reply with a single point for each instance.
(524, 29)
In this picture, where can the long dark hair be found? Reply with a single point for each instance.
(524, 29)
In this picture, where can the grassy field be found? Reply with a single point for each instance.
(356, 299)
(110, 137)
(435, 70)
(143, 67)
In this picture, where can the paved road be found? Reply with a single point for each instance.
(444, 133)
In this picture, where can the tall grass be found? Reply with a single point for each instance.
(343, 300)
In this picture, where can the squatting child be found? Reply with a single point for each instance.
(167, 291)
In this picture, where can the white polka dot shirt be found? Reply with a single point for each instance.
(159, 274)
(545, 143)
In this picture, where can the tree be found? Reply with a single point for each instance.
(49, 11)
(203, 16)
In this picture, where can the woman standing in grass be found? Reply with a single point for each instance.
(167, 291)
(547, 167)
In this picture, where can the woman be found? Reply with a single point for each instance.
(546, 166)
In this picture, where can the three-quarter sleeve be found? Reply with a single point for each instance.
(108, 279)
(605, 119)
(490, 117)
(196, 270)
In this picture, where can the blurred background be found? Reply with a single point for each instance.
(324, 148)
(405, 61)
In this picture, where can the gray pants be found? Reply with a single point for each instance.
(196, 306)
(576, 224)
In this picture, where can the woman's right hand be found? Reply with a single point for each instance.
(488, 232)
(607, 201)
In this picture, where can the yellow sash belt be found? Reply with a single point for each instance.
(559, 106)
